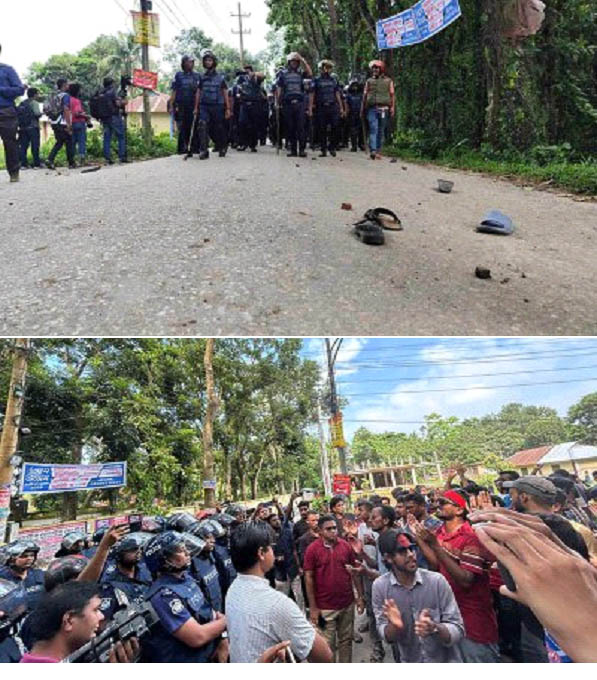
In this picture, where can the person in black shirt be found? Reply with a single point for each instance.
(301, 526)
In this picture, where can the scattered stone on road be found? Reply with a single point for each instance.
(252, 245)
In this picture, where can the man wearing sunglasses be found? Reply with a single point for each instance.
(415, 609)
(458, 554)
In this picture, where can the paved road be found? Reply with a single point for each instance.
(258, 244)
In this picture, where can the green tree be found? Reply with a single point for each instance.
(583, 416)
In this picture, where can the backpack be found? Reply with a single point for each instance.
(101, 105)
(25, 115)
(54, 107)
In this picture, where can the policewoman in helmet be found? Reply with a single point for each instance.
(190, 631)
(203, 564)
(21, 556)
(290, 94)
(378, 106)
(182, 102)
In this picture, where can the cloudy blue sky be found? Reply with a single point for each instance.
(392, 383)
(34, 30)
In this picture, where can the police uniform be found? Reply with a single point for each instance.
(325, 88)
(205, 572)
(134, 588)
(185, 86)
(250, 111)
(113, 600)
(226, 570)
(211, 109)
(293, 108)
(33, 583)
(354, 101)
(176, 600)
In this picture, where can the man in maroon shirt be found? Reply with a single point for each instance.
(459, 555)
(330, 588)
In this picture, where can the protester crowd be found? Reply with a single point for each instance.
(297, 109)
(459, 574)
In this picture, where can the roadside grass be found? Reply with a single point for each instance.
(544, 166)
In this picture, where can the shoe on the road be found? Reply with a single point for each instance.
(369, 233)
(124, 160)
(323, 154)
(241, 148)
(254, 149)
(372, 155)
(364, 627)
(204, 155)
(50, 166)
(109, 161)
(72, 166)
(14, 177)
(222, 152)
(333, 153)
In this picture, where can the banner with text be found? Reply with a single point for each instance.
(337, 430)
(43, 478)
(146, 28)
(417, 24)
(342, 485)
(148, 80)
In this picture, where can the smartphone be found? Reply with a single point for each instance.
(507, 577)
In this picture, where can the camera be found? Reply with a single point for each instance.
(125, 83)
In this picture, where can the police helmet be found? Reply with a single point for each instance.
(209, 53)
(180, 521)
(193, 543)
(215, 528)
(186, 59)
(377, 62)
(325, 62)
(293, 56)
(154, 525)
(158, 550)
(131, 543)
(203, 529)
(63, 569)
(225, 519)
(70, 540)
(13, 599)
(19, 547)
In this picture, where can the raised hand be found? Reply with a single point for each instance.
(392, 614)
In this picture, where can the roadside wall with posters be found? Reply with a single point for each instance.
(49, 538)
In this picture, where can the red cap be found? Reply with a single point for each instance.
(455, 498)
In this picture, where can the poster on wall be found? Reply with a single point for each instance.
(417, 24)
(49, 538)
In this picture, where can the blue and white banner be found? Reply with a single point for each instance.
(417, 24)
(43, 478)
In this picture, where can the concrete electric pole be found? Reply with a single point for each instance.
(146, 7)
(241, 32)
(10, 430)
(331, 353)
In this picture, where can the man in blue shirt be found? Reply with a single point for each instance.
(22, 555)
(10, 88)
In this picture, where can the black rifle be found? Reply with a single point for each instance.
(136, 621)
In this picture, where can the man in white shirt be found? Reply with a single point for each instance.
(258, 616)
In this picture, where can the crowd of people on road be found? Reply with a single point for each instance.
(459, 574)
(298, 109)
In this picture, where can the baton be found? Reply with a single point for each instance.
(278, 140)
(186, 158)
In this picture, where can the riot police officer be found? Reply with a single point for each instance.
(212, 105)
(73, 543)
(182, 101)
(96, 540)
(129, 572)
(221, 553)
(13, 605)
(203, 565)
(251, 98)
(290, 94)
(325, 97)
(20, 569)
(354, 102)
(189, 630)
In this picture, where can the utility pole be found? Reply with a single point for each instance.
(323, 448)
(241, 32)
(332, 352)
(210, 415)
(146, 7)
(10, 431)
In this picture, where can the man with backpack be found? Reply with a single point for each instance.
(106, 106)
(10, 88)
(28, 114)
(57, 109)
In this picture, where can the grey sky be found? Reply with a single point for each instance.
(34, 30)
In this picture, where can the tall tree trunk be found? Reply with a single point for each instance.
(334, 33)
(212, 406)
(69, 499)
(494, 49)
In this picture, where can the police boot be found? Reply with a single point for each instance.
(204, 155)
(293, 152)
(223, 151)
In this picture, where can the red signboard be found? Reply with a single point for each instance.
(145, 79)
(341, 484)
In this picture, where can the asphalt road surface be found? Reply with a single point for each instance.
(258, 244)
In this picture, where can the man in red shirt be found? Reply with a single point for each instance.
(459, 555)
(330, 588)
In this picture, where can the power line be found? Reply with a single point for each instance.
(122, 8)
(476, 387)
(174, 14)
(168, 17)
(182, 14)
(468, 375)
(206, 9)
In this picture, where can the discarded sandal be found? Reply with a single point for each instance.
(495, 222)
(370, 233)
(385, 218)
